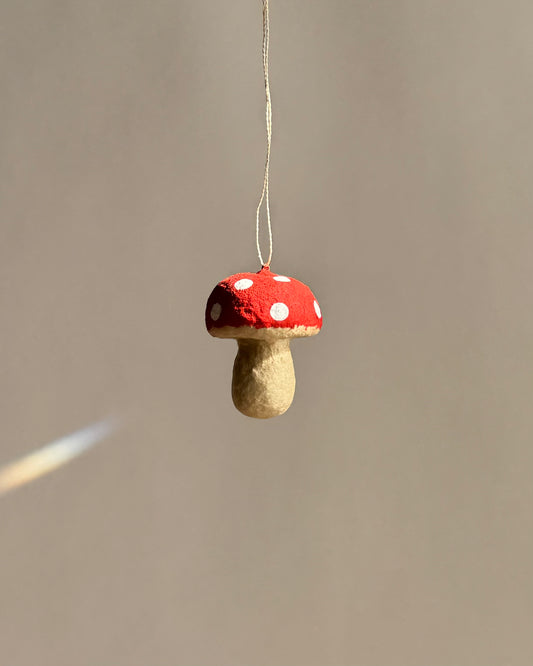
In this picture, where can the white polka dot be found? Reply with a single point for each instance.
(281, 278)
(216, 311)
(317, 310)
(279, 312)
(243, 284)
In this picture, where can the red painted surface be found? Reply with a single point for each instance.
(252, 306)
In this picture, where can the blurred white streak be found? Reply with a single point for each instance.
(54, 455)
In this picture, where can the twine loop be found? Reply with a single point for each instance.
(265, 194)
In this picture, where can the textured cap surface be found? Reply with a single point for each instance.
(262, 300)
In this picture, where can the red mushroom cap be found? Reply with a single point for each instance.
(264, 300)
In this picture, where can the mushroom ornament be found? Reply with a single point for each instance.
(263, 311)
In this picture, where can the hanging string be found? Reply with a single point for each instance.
(265, 194)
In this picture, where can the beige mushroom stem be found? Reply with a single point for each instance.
(263, 377)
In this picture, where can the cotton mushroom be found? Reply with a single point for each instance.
(262, 311)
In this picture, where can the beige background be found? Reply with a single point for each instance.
(386, 519)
